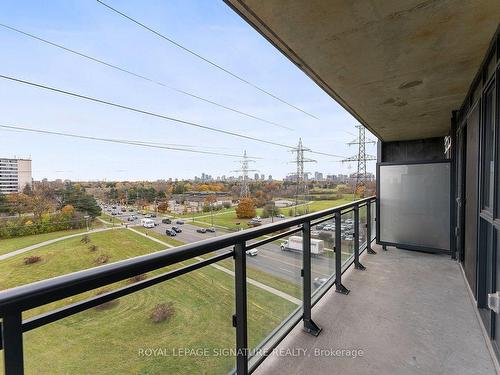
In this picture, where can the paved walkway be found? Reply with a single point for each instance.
(253, 282)
(409, 313)
(48, 242)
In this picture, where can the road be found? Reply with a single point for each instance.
(271, 259)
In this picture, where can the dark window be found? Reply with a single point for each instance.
(488, 155)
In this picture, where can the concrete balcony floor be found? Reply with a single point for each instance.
(409, 313)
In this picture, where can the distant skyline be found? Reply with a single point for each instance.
(210, 28)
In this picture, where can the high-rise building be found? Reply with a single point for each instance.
(15, 174)
(318, 176)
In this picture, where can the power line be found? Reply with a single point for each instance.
(144, 142)
(116, 67)
(121, 141)
(227, 71)
(144, 112)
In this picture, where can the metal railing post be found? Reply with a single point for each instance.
(12, 342)
(240, 318)
(357, 263)
(309, 325)
(369, 249)
(338, 255)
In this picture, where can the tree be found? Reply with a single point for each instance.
(77, 197)
(270, 210)
(360, 191)
(68, 210)
(4, 206)
(163, 207)
(245, 209)
(19, 203)
(40, 205)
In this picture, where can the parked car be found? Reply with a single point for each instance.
(130, 210)
(320, 226)
(179, 222)
(211, 230)
(281, 216)
(166, 221)
(201, 230)
(315, 233)
(252, 252)
(153, 215)
(170, 232)
(130, 218)
(123, 209)
(257, 219)
(177, 229)
(318, 281)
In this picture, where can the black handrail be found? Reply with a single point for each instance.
(16, 300)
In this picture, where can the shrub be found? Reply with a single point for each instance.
(93, 248)
(85, 239)
(106, 305)
(162, 312)
(102, 259)
(32, 259)
(137, 278)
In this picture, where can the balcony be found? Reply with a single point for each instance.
(390, 306)
(263, 303)
(409, 313)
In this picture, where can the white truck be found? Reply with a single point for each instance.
(294, 243)
(147, 223)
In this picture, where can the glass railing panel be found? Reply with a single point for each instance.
(347, 234)
(274, 286)
(374, 219)
(322, 261)
(180, 326)
(363, 226)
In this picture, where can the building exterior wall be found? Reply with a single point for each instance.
(15, 174)
(416, 150)
(478, 186)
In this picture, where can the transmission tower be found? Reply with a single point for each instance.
(300, 175)
(245, 191)
(361, 158)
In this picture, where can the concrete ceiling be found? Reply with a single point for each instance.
(399, 66)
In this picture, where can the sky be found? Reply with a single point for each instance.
(208, 27)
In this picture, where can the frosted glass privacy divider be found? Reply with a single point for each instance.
(414, 205)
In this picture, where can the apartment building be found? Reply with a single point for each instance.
(15, 174)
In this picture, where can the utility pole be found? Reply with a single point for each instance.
(361, 158)
(245, 191)
(300, 174)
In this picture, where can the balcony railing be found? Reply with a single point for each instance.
(352, 237)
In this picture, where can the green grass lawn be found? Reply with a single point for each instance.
(229, 219)
(323, 205)
(95, 341)
(10, 244)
